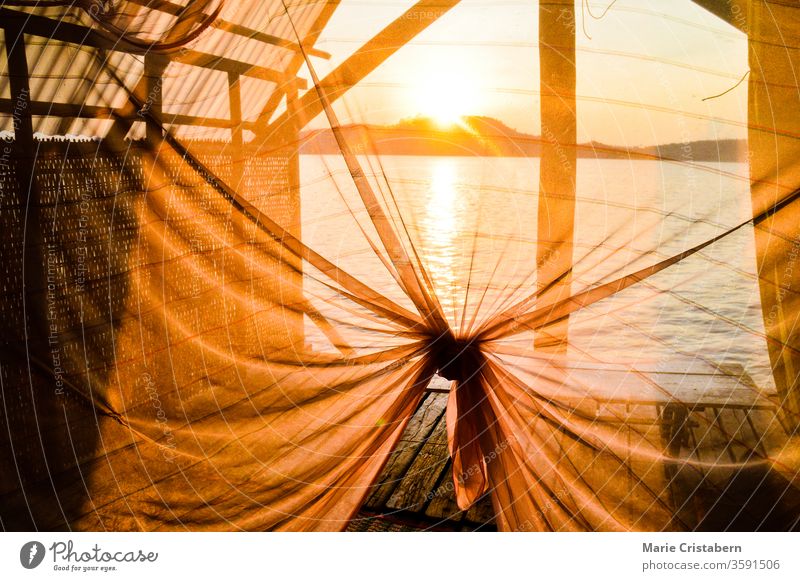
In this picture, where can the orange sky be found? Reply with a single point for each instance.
(643, 69)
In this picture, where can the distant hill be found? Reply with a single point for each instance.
(485, 136)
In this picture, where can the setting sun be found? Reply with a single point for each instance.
(445, 97)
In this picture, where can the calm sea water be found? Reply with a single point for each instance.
(473, 223)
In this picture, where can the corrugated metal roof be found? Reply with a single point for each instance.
(255, 40)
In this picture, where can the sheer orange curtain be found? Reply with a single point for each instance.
(232, 363)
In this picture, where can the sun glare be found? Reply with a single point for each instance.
(446, 98)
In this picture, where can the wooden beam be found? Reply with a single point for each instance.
(47, 109)
(44, 27)
(74, 111)
(774, 126)
(76, 34)
(215, 122)
(34, 275)
(297, 61)
(294, 221)
(734, 12)
(267, 38)
(365, 60)
(226, 26)
(557, 165)
(218, 63)
(19, 85)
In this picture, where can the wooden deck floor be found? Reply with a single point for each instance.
(415, 490)
(682, 405)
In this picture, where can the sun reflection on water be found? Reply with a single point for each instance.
(441, 231)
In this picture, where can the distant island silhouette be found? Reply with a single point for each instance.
(486, 136)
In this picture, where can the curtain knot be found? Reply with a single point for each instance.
(457, 359)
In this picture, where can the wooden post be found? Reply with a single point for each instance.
(774, 126)
(20, 95)
(154, 66)
(556, 214)
(294, 201)
(237, 133)
(292, 106)
(33, 275)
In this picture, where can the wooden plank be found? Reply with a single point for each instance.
(443, 503)
(419, 428)
(619, 384)
(482, 512)
(439, 384)
(732, 441)
(751, 436)
(681, 480)
(626, 413)
(419, 482)
(730, 427)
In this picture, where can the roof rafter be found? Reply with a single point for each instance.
(77, 34)
(176, 10)
(297, 61)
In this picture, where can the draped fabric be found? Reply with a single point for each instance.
(222, 329)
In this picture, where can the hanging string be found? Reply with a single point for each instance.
(725, 92)
(586, 9)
